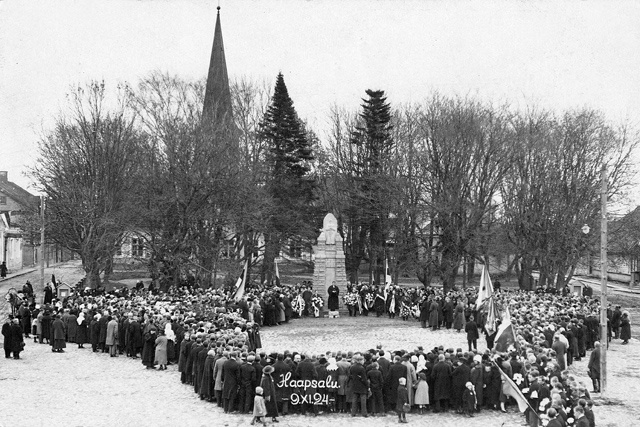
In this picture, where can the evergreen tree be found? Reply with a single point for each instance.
(288, 177)
(368, 171)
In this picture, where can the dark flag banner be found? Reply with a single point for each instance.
(241, 283)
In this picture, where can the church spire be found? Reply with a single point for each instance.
(217, 98)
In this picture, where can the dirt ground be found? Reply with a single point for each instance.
(80, 388)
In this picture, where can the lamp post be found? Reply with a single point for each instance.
(603, 283)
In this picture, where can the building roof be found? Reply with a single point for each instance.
(217, 98)
(17, 193)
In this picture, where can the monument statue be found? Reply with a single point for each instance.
(329, 264)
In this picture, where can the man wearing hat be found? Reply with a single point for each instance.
(230, 382)
(307, 372)
(6, 333)
(360, 385)
(247, 385)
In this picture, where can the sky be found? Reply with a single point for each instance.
(554, 54)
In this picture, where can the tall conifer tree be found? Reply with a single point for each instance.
(289, 179)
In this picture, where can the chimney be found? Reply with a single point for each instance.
(3, 176)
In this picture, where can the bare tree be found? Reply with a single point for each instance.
(553, 188)
(88, 169)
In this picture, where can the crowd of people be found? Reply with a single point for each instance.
(214, 338)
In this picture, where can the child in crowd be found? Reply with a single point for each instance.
(421, 398)
(259, 408)
(402, 401)
(469, 400)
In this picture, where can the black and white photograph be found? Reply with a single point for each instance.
(320, 213)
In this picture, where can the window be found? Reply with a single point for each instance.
(3, 200)
(137, 247)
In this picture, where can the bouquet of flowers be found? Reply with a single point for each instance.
(317, 303)
(369, 299)
(351, 299)
(298, 305)
(404, 311)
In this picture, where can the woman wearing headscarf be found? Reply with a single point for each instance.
(269, 393)
(81, 336)
(171, 339)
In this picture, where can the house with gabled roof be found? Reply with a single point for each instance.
(15, 203)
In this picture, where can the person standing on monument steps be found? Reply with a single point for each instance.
(334, 293)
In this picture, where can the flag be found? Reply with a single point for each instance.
(485, 290)
(241, 283)
(506, 335)
(492, 315)
(509, 388)
(277, 273)
(387, 278)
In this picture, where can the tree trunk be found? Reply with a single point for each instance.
(450, 264)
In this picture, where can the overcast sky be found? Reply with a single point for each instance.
(557, 54)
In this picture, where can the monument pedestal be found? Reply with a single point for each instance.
(329, 264)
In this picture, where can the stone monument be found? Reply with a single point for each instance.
(329, 261)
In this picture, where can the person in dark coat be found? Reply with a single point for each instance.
(81, 335)
(198, 367)
(376, 384)
(360, 385)
(3, 270)
(424, 313)
(396, 371)
(477, 379)
(148, 351)
(247, 381)
(333, 302)
(280, 371)
(58, 335)
(17, 341)
(253, 333)
(230, 382)
(493, 384)
(447, 311)
(269, 393)
(402, 399)
(469, 399)
(594, 367)
(191, 360)
(442, 383)
(471, 328)
(102, 327)
(434, 308)
(48, 294)
(185, 349)
(307, 372)
(625, 328)
(206, 385)
(459, 378)
(72, 327)
(94, 333)
(25, 319)
(45, 324)
(135, 340)
(6, 333)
